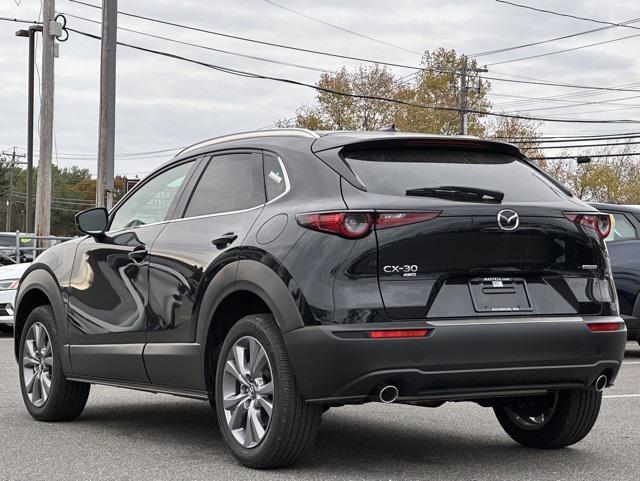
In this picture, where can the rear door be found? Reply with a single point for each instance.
(480, 255)
(109, 288)
(206, 235)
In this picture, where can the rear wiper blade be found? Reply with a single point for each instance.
(458, 192)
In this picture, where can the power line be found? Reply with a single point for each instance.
(382, 42)
(122, 156)
(568, 15)
(555, 39)
(596, 156)
(347, 57)
(219, 50)
(248, 74)
(563, 50)
(19, 20)
(584, 146)
(558, 84)
(536, 140)
(572, 103)
(253, 40)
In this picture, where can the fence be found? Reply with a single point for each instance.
(37, 244)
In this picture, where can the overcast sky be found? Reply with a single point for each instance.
(164, 103)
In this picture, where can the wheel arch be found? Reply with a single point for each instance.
(254, 289)
(39, 287)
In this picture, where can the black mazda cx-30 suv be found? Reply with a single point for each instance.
(279, 273)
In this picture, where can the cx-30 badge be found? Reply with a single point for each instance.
(508, 219)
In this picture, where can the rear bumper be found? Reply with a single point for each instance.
(466, 359)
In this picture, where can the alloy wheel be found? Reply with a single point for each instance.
(248, 391)
(37, 364)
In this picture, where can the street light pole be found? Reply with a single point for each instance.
(28, 211)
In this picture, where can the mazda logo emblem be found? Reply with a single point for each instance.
(508, 219)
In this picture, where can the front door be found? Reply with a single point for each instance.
(109, 289)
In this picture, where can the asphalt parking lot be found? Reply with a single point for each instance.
(126, 434)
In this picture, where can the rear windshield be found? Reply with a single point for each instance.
(393, 171)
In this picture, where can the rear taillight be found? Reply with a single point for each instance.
(354, 225)
(397, 333)
(605, 326)
(601, 223)
(385, 220)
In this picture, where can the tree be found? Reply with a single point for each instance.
(606, 179)
(338, 112)
(509, 129)
(72, 189)
(436, 84)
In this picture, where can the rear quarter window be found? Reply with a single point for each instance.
(394, 171)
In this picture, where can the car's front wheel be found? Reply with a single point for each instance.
(47, 394)
(262, 416)
(560, 419)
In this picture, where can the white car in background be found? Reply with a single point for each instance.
(9, 277)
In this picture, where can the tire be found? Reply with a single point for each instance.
(571, 416)
(65, 400)
(290, 430)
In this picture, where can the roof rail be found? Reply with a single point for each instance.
(251, 135)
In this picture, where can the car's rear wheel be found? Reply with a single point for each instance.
(262, 416)
(560, 419)
(47, 394)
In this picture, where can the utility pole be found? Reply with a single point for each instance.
(463, 93)
(50, 29)
(13, 163)
(463, 98)
(28, 210)
(104, 183)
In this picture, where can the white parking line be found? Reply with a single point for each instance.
(618, 396)
(626, 363)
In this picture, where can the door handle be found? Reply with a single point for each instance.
(224, 240)
(138, 254)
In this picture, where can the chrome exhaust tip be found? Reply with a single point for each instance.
(388, 394)
(601, 383)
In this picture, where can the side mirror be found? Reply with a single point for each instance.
(93, 221)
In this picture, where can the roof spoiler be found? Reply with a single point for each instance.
(355, 142)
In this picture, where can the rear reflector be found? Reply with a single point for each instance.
(397, 333)
(605, 326)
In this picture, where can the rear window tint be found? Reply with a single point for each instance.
(393, 171)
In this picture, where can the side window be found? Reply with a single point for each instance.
(230, 182)
(275, 179)
(151, 202)
(621, 228)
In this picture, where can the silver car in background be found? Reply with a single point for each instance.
(9, 277)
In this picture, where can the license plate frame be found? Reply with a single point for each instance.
(500, 295)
